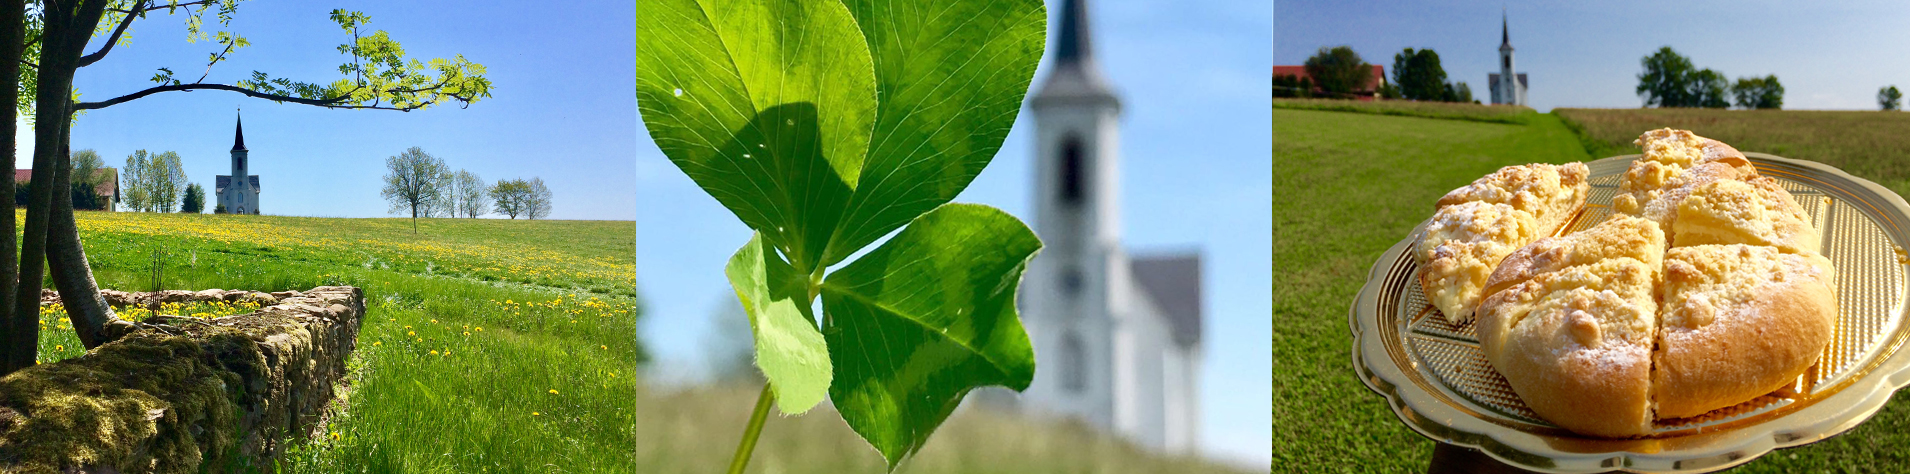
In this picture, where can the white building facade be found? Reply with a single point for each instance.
(238, 192)
(1117, 339)
(1506, 91)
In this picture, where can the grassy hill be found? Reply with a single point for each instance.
(499, 346)
(1350, 185)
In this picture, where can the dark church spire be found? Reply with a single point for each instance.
(1073, 45)
(1505, 30)
(1072, 73)
(238, 136)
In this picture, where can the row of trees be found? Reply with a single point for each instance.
(1339, 72)
(1670, 80)
(155, 182)
(1335, 72)
(424, 186)
(1417, 75)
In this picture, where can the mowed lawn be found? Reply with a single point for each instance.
(488, 345)
(1351, 185)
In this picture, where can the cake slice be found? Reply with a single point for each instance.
(1576, 344)
(1756, 212)
(1739, 321)
(1477, 225)
(1674, 163)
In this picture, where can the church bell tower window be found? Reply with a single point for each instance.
(1073, 184)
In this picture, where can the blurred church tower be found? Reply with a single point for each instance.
(1117, 340)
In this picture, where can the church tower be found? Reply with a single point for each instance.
(238, 192)
(1067, 292)
(1508, 87)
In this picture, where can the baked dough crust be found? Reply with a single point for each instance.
(1739, 321)
(1575, 344)
(1477, 225)
(1757, 212)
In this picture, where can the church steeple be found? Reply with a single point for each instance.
(238, 136)
(1505, 31)
(1073, 75)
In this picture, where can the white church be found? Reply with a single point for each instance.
(239, 192)
(1505, 91)
(1117, 337)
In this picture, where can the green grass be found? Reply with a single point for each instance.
(695, 430)
(430, 391)
(1351, 185)
(1407, 108)
(1347, 187)
(1871, 145)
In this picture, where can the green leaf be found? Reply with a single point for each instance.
(950, 76)
(790, 351)
(766, 104)
(918, 322)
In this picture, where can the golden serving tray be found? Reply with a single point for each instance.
(1439, 383)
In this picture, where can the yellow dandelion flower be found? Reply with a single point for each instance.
(480, 329)
(376, 343)
(467, 333)
(605, 347)
(535, 413)
(59, 348)
(553, 391)
(411, 333)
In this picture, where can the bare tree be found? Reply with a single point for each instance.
(468, 195)
(415, 184)
(512, 197)
(134, 182)
(539, 206)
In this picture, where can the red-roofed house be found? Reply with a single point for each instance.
(1366, 93)
(108, 188)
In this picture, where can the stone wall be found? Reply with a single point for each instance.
(178, 391)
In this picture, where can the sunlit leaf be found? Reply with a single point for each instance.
(789, 350)
(950, 76)
(765, 104)
(927, 316)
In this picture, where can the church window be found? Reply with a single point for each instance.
(1071, 281)
(1508, 61)
(1073, 183)
(1074, 377)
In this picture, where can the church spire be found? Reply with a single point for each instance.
(1072, 73)
(238, 136)
(1505, 30)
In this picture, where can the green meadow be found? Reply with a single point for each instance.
(488, 345)
(1350, 184)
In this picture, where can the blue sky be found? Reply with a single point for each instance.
(562, 106)
(1828, 55)
(1194, 147)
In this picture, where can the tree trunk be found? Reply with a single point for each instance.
(66, 259)
(17, 351)
(63, 39)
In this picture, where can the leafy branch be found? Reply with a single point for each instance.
(379, 75)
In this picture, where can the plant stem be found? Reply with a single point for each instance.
(755, 429)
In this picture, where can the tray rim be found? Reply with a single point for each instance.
(1424, 414)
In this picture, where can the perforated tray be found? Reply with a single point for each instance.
(1436, 379)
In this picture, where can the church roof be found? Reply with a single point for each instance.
(1072, 73)
(219, 184)
(1173, 282)
(238, 136)
(108, 180)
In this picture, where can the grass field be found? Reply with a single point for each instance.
(1407, 108)
(489, 346)
(1351, 185)
(1872, 145)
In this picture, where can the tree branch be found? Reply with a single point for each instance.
(334, 103)
(89, 59)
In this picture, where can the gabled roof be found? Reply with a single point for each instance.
(1173, 282)
(219, 184)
